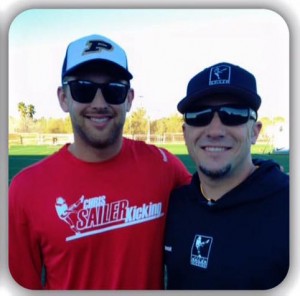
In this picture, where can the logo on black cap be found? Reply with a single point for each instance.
(219, 75)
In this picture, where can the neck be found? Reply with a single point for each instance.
(92, 154)
(214, 189)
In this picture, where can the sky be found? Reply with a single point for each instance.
(165, 49)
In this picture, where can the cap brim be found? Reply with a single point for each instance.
(242, 96)
(102, 66)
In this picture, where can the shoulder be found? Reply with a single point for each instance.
(39, 168)
(182, 195)
(158, 160)
(186, 192)
(149, 150)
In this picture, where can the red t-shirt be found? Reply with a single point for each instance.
(92, 225)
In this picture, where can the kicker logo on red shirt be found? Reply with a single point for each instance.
(89, 216)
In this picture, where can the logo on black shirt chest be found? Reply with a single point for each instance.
(200, 250)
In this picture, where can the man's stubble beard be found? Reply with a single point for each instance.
(216, 174)
(92, 141)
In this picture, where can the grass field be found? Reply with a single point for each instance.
(23, 156)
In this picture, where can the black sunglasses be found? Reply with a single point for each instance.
(83, 91)
(230, 115)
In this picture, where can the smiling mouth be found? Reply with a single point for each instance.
(99, 119)
(215, 148)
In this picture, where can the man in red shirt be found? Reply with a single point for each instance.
(92, 215)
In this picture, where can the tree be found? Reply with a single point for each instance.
(22, 108)
(137, 122)
(68, 125)
(26, 112)
(30, 111)
(172, 124)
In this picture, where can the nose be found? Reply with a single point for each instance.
(216, 127)
(99, 101)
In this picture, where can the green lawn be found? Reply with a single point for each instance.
(23, 156)
(40, 150)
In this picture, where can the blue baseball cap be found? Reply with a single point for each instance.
(97, 50)
(221, 80)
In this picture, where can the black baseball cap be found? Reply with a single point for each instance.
(221, 80)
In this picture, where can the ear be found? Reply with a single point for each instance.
(130, 97)
(62, 98)
(256, 128)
